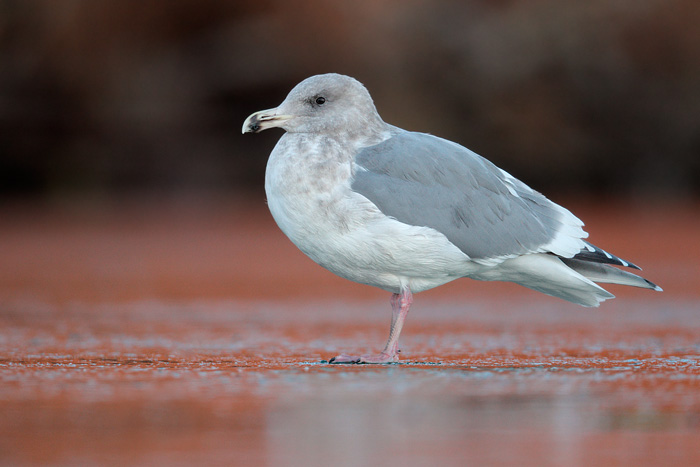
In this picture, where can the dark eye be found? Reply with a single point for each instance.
(320, 100)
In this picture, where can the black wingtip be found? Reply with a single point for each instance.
(654, 286)
(597, 255)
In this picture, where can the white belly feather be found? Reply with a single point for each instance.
(347, 234)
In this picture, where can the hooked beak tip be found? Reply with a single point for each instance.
(263, 120)
(251, 124)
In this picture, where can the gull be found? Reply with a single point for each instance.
(407, 211)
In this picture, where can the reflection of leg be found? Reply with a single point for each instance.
(400, 304)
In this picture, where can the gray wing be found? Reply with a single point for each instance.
(424, 180)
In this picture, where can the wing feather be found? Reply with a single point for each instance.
(424, 180)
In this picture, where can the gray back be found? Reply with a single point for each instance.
(424, 180)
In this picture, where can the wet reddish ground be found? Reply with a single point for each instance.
(176, 333)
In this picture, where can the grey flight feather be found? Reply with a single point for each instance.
(420, 179)
(600, 272)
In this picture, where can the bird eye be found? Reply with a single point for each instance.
(320, 100)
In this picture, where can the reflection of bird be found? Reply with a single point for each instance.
(408, 211)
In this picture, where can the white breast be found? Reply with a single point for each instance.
(311, 201)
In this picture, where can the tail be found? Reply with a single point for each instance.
(572, 279)
(598, 272)
(595, 265)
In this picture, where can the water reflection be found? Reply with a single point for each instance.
(425, 416)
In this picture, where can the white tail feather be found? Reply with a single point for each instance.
(548, 274)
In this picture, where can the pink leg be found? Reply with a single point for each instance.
(400, 304)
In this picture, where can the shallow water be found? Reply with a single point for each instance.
(228, 382)
(145, 336)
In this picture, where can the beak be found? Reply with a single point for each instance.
(263, 120)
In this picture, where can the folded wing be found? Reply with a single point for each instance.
(424, 180)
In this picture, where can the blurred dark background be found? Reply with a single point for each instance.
(129, 97)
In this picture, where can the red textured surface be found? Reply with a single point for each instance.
(180, 335)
